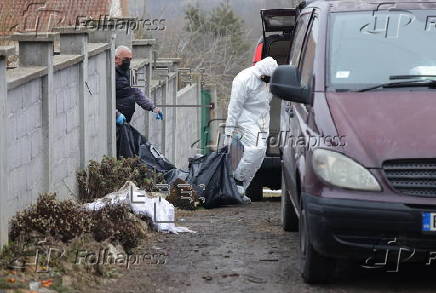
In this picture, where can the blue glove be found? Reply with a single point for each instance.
(121, 119)
(159, 116)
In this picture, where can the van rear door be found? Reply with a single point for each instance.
(278, 31)
(278, 27)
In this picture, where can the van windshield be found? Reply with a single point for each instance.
(367, 48)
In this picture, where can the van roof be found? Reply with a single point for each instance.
(357, 5)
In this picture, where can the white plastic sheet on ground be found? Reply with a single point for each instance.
(159, 210)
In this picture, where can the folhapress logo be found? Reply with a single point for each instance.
(388, 22)
(391, 257)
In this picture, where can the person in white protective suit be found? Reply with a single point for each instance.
(248, 118)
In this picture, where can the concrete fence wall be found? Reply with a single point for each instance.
(188, 124)
(25, 144)
(57, 112)
(97, 121)
(66, 130)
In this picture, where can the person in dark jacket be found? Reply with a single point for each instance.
(127, 96)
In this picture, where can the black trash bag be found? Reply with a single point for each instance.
(172, 175)
(128, 141)
(131, 143)
(150, 156)
(212, 179)
(209, 175)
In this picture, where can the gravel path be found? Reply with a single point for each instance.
(244, 249)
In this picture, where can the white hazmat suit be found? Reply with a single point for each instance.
(248, 116)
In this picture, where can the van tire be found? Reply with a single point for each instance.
(314, 268)
(289, 218)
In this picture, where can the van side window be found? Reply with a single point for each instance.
(300, 32)
(309, 54)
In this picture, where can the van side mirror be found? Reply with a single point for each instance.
(285, 84)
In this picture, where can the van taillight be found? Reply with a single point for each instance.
(258, 53)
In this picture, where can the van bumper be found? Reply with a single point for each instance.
(363, 230)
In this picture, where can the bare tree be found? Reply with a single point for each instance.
(214, 43)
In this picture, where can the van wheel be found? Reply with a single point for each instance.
(314, 268)
(255, 191)
(289, 218)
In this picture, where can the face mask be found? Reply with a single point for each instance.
(125, 65)
(265, 78)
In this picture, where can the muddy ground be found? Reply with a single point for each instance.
(244, 249)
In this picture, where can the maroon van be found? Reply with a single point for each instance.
(357, 135)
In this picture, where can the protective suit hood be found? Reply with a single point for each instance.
(265, 67)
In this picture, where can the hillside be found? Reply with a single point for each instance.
(248, 10)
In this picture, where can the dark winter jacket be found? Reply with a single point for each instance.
(128, 96)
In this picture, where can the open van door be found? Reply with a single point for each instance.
(278, 32)
(278, 20)
(278, 28)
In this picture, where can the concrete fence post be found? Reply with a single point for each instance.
(4, 221)
(176, 63)
(173, 99)
(172, 64)
(174, 88)
(168, 67)
(99, 36)
(163, 133)
(143, 49)
(37, 50)
(124, 36)
(111, 99)
(119, 37)
(74, 41)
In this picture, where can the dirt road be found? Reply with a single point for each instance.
(243, 249)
